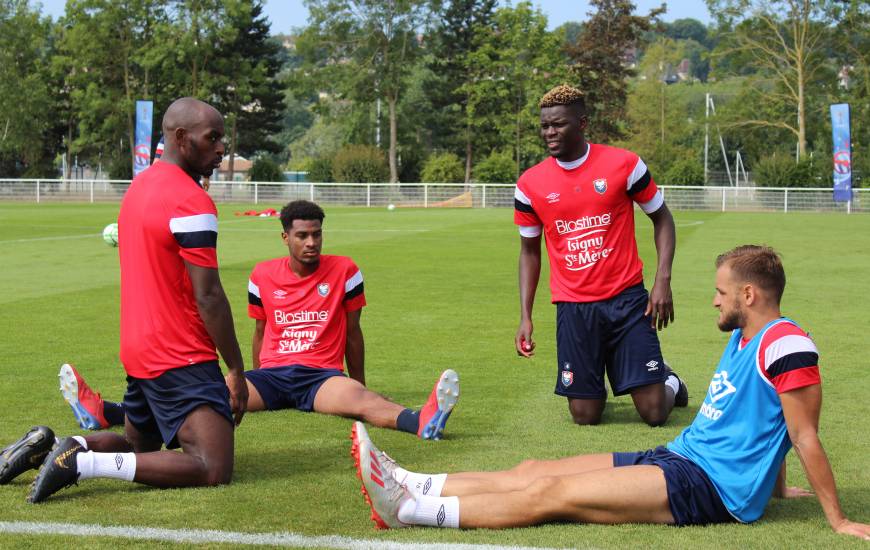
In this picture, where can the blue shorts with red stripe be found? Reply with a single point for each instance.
(611, 336)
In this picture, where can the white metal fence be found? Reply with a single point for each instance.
(431, 195)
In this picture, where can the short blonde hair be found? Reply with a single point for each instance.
(563, 94)
(757, 264)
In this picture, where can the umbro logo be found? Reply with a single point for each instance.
(553, 197)
(652, 366)
(427, 486)
(441, 516)
(279, 294)
(119, 461)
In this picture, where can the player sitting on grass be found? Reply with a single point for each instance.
(765, 396)
(307, 311)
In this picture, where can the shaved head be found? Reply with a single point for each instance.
(188, 113)
(192, 131)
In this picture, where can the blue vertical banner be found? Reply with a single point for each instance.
(842, 152)
(142, 150)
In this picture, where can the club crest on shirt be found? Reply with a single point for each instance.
(280, 294)
(323, 289)
(600, 185)
(567, 377)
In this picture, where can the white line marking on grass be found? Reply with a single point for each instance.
(204, 536)
(59, 238)
(689, 224)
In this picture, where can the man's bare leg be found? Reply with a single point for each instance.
(522, 475)
(206, 439)
(346, 397)
(631, 494)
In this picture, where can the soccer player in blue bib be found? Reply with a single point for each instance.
(765, 398)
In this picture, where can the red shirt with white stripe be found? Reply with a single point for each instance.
(166, 218)
(788, 357)
(585, 209)
(306, 318)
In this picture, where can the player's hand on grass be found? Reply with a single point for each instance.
(660, 306)
(238, 387)
(860, 530)
(797, 492)
(523, 341)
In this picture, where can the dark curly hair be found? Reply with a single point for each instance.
(300, 210)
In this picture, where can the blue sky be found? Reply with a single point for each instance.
(287, 14)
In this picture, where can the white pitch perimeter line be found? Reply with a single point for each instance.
(202, 536)
(234, 230)
(59, 238)
(689, 224)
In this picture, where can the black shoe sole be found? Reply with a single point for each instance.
(25, 454)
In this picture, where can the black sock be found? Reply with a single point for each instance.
(114, 413)
(408, 421)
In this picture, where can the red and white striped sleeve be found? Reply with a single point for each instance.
(789, 358)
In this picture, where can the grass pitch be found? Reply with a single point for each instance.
(441, 287)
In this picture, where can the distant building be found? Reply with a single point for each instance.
(241, 166)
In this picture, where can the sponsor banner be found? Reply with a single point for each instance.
(142, 149)
(842, 152)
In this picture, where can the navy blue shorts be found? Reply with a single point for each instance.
(292, 387)
(691, 495)
(159, 406)
(612, 336)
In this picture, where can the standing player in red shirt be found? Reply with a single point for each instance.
(582, 198)
(173, 314)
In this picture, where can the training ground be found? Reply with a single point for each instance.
(441, 286)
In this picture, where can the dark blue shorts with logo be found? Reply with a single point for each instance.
(692, 497)
(291, 387)
(159, 406)
(609, 336)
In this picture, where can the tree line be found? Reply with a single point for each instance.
(439, 90)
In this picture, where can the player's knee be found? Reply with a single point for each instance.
(653, 416)
(217, 475)
(542, 498)
(586, 413)
(524, 468)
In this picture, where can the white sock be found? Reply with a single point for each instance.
(421, 484)
(430, 511)
(111, 465)
(674, 383)
(81, 441)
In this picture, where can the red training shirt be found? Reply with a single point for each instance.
(306, 319)
(166, 218)
(586, 211)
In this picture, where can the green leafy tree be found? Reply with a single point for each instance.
(29, 104)
(265, 169)
(459, 31)
(443, 168)
(598, 63)
(108, 50)
(785, 42)
(359, 164)
(251, 97)
(498, 167)
(518, 61)
(364, 50)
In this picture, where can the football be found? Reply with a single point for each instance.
(110, 234)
